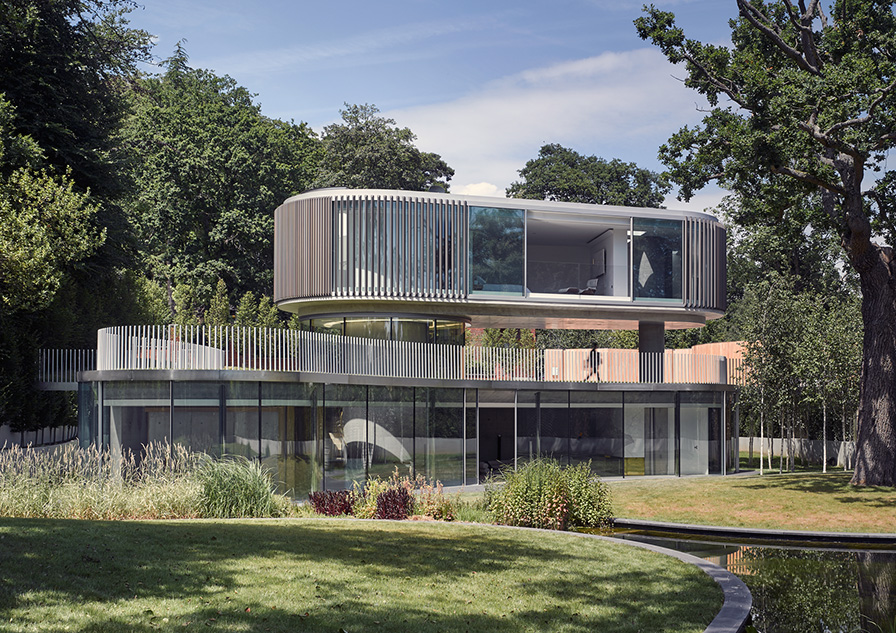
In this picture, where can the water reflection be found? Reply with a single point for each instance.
(804, 589)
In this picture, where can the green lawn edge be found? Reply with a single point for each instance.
(336, 574)
(807, 501)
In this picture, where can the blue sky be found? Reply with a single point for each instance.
(484, 84)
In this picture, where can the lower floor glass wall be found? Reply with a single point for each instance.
(314, 436)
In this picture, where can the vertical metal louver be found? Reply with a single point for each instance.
(705, 257)
(399, 247)
(302, 248)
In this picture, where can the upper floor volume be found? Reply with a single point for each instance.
(497, 262)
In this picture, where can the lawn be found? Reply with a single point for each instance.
(336, 575)
(801, 501)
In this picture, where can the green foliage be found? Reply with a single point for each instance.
(542, 494)
(186, 305)
(237, 487)
(62, 64)
(268, 313)
(583, 339)
(505, 337)
(367, 151)
(219, 310)
(208, 170)
(247, 311)
(45, 226)
(365, 495)
(261, 313)
(565, 175)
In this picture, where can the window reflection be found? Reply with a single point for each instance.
(496, 250)
(656, 259)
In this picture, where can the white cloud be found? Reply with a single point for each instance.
(707, 200)
(480, 189)
(615, 105)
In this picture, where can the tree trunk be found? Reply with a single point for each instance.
(750, 459)
(876, 437)
(783, 435)
(824, 436)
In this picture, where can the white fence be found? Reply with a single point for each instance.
(59, 368)
(212, 348)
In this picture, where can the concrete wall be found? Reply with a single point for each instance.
(41, 437)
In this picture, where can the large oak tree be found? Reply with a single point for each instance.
(805, 101)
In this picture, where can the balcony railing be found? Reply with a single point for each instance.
(257, 349)
(59, 368)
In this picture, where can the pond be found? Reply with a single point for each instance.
(802, 588)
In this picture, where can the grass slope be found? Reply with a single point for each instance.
(332, 575)
(802, 501)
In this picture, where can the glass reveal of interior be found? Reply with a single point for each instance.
(576, 255)
(656, 259)
(411, 329)
(497, 243)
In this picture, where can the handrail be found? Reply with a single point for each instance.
(262, 349)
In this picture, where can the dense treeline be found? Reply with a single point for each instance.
(146, 197)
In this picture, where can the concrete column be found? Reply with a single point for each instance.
(651, 336)
(651, 344)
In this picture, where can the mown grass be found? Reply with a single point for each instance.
(332, 575)
(802, 501)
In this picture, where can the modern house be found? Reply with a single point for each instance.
(386, 283)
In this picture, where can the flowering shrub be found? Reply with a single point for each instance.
(332, 502)
(542, 494)
(395, 498)
(365, 497)
(394, 503)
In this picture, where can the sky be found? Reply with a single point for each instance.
(482, 83)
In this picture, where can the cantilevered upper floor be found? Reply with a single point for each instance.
(496, 262)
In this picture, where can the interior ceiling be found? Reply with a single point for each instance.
(558, 233)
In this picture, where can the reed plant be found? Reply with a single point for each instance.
(238, 488)
(161, 482)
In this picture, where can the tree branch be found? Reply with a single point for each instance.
(811, 126)
(760, 22)
(863, 119)
(807, 178)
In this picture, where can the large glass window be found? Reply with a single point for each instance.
(390, 431)
(345, 436)
(471, 441)
(197, 415)
(701, 433)
(241, 421)
(656, 259)
(650, 433)
(542, 425)
(497, 247)
(596, 431)
(88, 413)
(439, 423)
(290, 432)
(135, 414)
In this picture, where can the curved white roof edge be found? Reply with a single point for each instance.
(513, 203)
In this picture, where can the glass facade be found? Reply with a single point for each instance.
(497, 250)
(324, 436)
(385, 328)
(596, 431)
(701, 433)
(656, 259)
